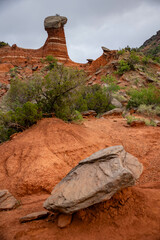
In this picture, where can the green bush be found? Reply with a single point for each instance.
(62, 91)
(27, 115)
(123, 67)
(147, 96)
(18, 120)
(145, 60)
(93, 98)
(121, 51)
(3, 44)
(19, 93)
(52, 93)
(132, 60)
(52, 62)
(111, 82)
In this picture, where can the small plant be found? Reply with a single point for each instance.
(111, 82)
(121, 51)
(13, 72)
(150, 122)
(132, 60)
(136, 81)
(128, 48)
(130, 119)
(3, 44)
(145, 60)
(52, 62)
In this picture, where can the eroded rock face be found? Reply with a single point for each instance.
(95, 179)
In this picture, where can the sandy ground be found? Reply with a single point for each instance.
(37, 159)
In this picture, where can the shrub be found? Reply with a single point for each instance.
(112, 83)
(52, 62)
(27, 115)
(18, 120)
(149, 110)
(13, 72)
(132, 60)
(145, 60)
(19, 93)
(121, 51)
(93, 98)
(147, 96)
(123, 67)
(3, 44)
(52, 93)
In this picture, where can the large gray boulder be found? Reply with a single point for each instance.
(95, 179)
(54, 21)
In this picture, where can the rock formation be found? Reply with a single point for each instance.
(95, 179)
(55, 45)
(7, 201)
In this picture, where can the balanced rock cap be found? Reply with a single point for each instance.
(54, 21)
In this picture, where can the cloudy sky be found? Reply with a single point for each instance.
(91, 23)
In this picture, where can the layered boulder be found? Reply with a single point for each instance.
(95, 179)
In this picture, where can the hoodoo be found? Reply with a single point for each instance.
(55, 45)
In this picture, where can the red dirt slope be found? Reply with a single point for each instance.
(35, 160)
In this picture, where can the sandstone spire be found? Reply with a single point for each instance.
(56, 43)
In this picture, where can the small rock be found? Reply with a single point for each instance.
(137, 123)
(89, 60)
(34, 216)
(89, 113)
(14, 46)
(105, 49)
(149, 79)
(98, 72)
(64, 220)
(116, 103)
(157, 123)
(7, 201)
(35, 68)
(113, 112)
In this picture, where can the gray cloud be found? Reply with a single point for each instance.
(91, 23)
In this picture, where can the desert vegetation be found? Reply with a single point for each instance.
(3, 44)
(61, 91)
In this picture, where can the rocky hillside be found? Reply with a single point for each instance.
(152, 46)
(34, 160)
